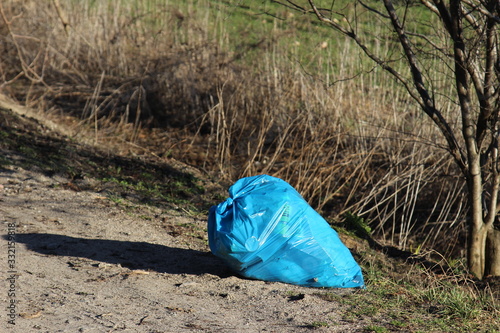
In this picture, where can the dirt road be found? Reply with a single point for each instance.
(78, 261)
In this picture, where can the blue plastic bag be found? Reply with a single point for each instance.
(265, 230)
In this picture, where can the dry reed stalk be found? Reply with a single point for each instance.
(346, 145)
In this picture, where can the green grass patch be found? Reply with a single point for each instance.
(399, 297)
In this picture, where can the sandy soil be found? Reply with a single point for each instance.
(83, 263)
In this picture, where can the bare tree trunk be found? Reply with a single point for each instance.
(492, 264)
(478, 231)
(476, 250)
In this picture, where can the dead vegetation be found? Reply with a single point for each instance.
(171, 80)
(405, 292)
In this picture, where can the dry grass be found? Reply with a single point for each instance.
(401, 294)
(170, 79)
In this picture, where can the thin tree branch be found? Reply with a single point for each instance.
(473, 21)
(291, 5)
(351, 34)
(434, 45)
(427, 102)
(444, 14)
(487, 94)
(373, 9)
(486, 12)
(430, 6)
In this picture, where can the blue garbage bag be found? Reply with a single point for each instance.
(265, 230)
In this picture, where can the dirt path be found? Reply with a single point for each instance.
(84, 263)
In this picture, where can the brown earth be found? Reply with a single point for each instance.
(93, 256)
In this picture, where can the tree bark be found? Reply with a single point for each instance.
(492, 264)
(476, 250)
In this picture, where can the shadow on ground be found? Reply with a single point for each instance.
(133, 255)
(146, 179)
